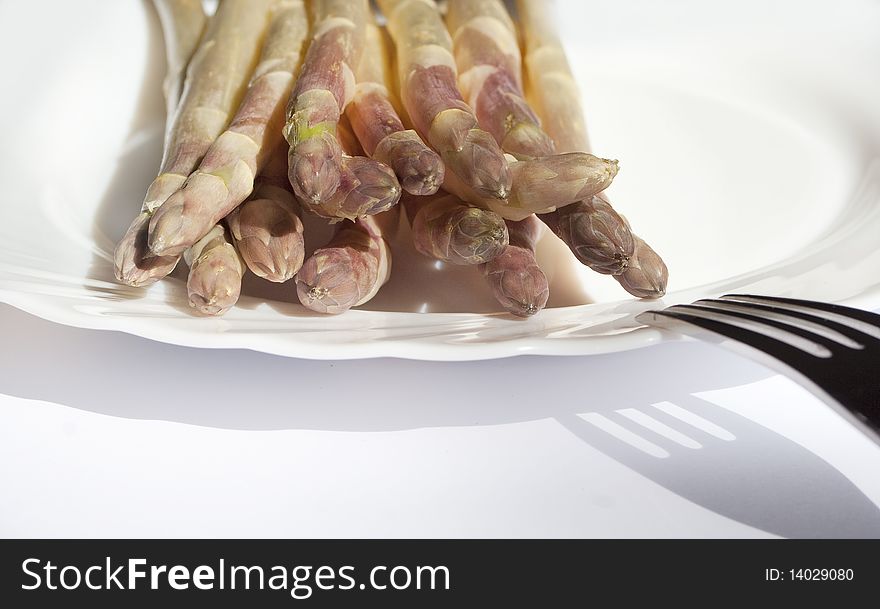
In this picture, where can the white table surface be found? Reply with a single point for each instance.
(104, 434)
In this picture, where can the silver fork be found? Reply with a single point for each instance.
(834, 351)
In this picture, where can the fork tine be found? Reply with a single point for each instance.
(832, 346)
(861, 339)
(793, 357)
(843, 376)
(867, 317)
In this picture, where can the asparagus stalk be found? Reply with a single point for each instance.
(215, 82)
(320, 95)
(347, 272)
(268, 233)
(366, 186)
(446, 229)
(489, 59)
(516, 280)
(267, 229)
(226, 175)
(347, 138)
(183, 22)
(490, 68)
(216, 269)
(325, 179)
(430, 95)
(324, 88)
(598, 236)
(553, 90)
(379, 128)
(543, 184)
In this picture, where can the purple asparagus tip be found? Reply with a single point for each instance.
(315, 169)
(646, 276)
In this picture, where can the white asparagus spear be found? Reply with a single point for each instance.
(380, 129)
(183, 23)
(216, 79)
(490, 75)
(226, 175)
(516, 280)
(267, 228)
(348, 271)
(604, 241)
(431, 97)
(215, 272)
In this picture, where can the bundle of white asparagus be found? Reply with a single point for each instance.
(279, 108)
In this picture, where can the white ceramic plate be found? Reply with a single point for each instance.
(748, 135)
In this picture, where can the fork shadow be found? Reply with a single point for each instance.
(762, 478)
(753, 476)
